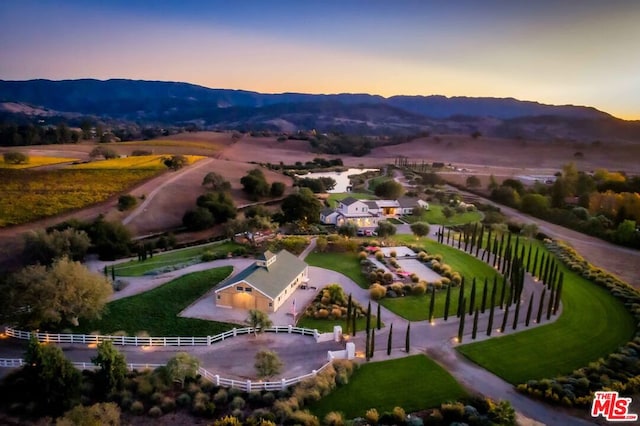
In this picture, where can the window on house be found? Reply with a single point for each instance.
(239, 288)
(270, 304)
(218, 297)
(248, 289)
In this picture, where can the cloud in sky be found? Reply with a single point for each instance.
(551, 51)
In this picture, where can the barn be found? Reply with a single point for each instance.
(265, 285)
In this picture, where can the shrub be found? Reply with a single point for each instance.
(183, 400)
(362, 255)
(168, 404)
(137, 408)
(372, 416)
(155, 412)
(304, 417)
(399, 414)
(126, 202)
(322, 313)
(377, 291)
(237, 403)
(15, 157)
(418, 289)
(221, 397)
(334, 418)
(379, 255)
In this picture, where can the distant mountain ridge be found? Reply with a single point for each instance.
(173, 102)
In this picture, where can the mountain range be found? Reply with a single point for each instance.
(173, 103)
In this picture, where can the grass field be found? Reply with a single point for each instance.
(153, 162)
(174, 258)
(413, 383)
(156, 311)
(334, 198)
(593, 324)
(345, 263)
(434, 215)
(36, 161)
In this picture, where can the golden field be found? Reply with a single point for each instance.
(36, 161)
(33, 194)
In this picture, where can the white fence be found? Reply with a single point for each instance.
(86, 339)
(245, 385)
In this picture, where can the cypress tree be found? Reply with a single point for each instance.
(472, 299)
(106, 271)
(556, 302)
(367, 346)
(113, 273)
(529, 309)
(550, 304)
(502, 292)
(373, 343)
(378, 320)
(369, 317)
(484, 295)
(480, 240)
(448, 235)
(535, 263)
(475, 324)
(466, 240)
(349, 304)
(447, 301)
(461, 324)
(459, 240)
(487, 250)
(353, 322)
(432, 303)
(528, 265)
(505, 318)
(516, 315)
(540, 266)
(460, 297)
(407, 338)
(541, 305)
(389, 340)
(490, 324)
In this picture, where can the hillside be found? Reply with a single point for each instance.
(171, 103)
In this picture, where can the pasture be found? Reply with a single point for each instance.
(36, 161)
(156, 311)
(413, 383)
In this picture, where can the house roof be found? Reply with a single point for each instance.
(371, 204)
(271, 280)
(407, 202)
(267, 255)
(348, 201)
(327, 211)
(387, 203)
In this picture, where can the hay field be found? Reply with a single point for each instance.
(37, 161)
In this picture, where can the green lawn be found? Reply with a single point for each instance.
(413, 383)
(345, 263)
(326, 325)
(174, 258)
(334, 198)
(434, 215)
(593, 324)
(156, 311)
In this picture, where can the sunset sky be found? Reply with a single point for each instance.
(561, 52)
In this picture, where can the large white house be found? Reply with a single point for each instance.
(367, 213)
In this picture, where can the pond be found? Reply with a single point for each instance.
(341, 178)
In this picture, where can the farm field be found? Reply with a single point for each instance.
(37, 161)
(156, 311)
(413, 383)
(153, 162)
(41, 193)
(173, 259)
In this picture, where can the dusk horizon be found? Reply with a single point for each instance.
(557, 53)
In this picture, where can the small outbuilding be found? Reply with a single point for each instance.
(265, 285)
